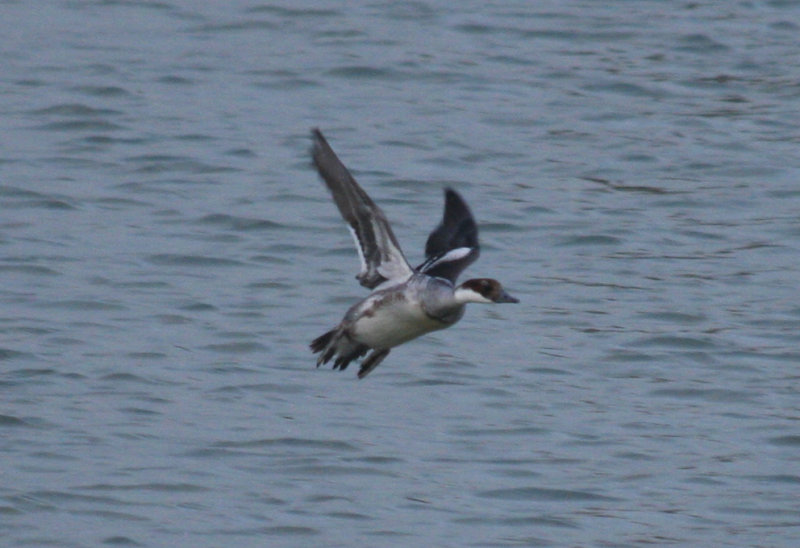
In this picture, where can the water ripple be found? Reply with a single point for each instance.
(167, 252)
(170, 259)
(544, 494)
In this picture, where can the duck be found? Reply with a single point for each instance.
(405, 302)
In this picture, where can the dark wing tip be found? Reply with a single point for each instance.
(319, 143)
(455, 207)
(452, 197)
(317, 136)
(457, 229)
(330, 168)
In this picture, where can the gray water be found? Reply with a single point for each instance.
(167, 253)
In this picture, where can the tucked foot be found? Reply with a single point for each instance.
(372, 361)
(336, 344)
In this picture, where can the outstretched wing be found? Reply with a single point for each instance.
(453, 245)
(380, 254)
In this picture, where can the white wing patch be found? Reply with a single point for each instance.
(393, 265)
(453, 255)
(358, 248)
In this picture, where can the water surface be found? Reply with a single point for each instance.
(167, 253)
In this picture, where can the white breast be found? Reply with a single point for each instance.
(391, 319)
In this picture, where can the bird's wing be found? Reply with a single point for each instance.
(453, 245)
(381, 257)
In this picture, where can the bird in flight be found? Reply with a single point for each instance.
(405, 302)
